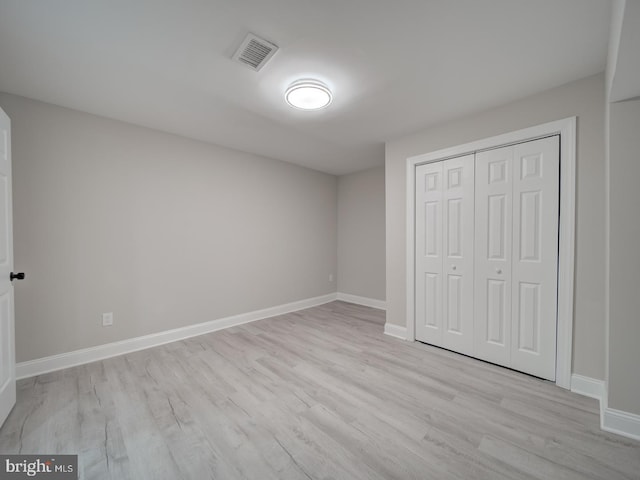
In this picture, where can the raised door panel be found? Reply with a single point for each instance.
(535, 256)
(6, 342)
(458, 234)
(429, 220)
(493, 235)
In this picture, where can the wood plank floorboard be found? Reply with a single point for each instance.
(316, 394)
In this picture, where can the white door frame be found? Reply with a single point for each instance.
(566, 128)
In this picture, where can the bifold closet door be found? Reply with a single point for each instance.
(494, 203)
(457, 245)
(444, 253)
(536, 208)
(428, 255)
(516, 255)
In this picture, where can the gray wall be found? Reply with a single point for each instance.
(161, 230)
(585, 99)
(361, 252)
(624, 256)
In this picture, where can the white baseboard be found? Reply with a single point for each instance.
(395, 331)
(87, 355)
(587, 386)
(367, 302)
(623, 423)
(611, 420)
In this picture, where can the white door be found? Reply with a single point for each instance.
(487, 255)
(444, 253)
(536, 208)
(458, 234)
(494, 170)
(517, 214)
(7, 356)
(428, 253)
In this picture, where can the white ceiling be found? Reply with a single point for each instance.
(395, 67)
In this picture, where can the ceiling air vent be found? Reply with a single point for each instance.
(254, 52)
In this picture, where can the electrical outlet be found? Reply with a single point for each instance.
(331, 277)
(107, 319)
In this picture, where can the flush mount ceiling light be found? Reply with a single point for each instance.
(308, 95)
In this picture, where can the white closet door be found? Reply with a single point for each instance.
(458, 235)
(493, 255)
(536, 167)
(487, 255)
(428, 253)
(444, 253)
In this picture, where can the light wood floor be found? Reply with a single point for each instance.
(317, 394)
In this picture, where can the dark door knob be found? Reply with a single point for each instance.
(16, 276)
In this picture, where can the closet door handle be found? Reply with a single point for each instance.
(498, 271)
(16, 276)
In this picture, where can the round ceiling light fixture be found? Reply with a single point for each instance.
(308, 95)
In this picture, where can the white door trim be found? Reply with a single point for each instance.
(566, 128)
